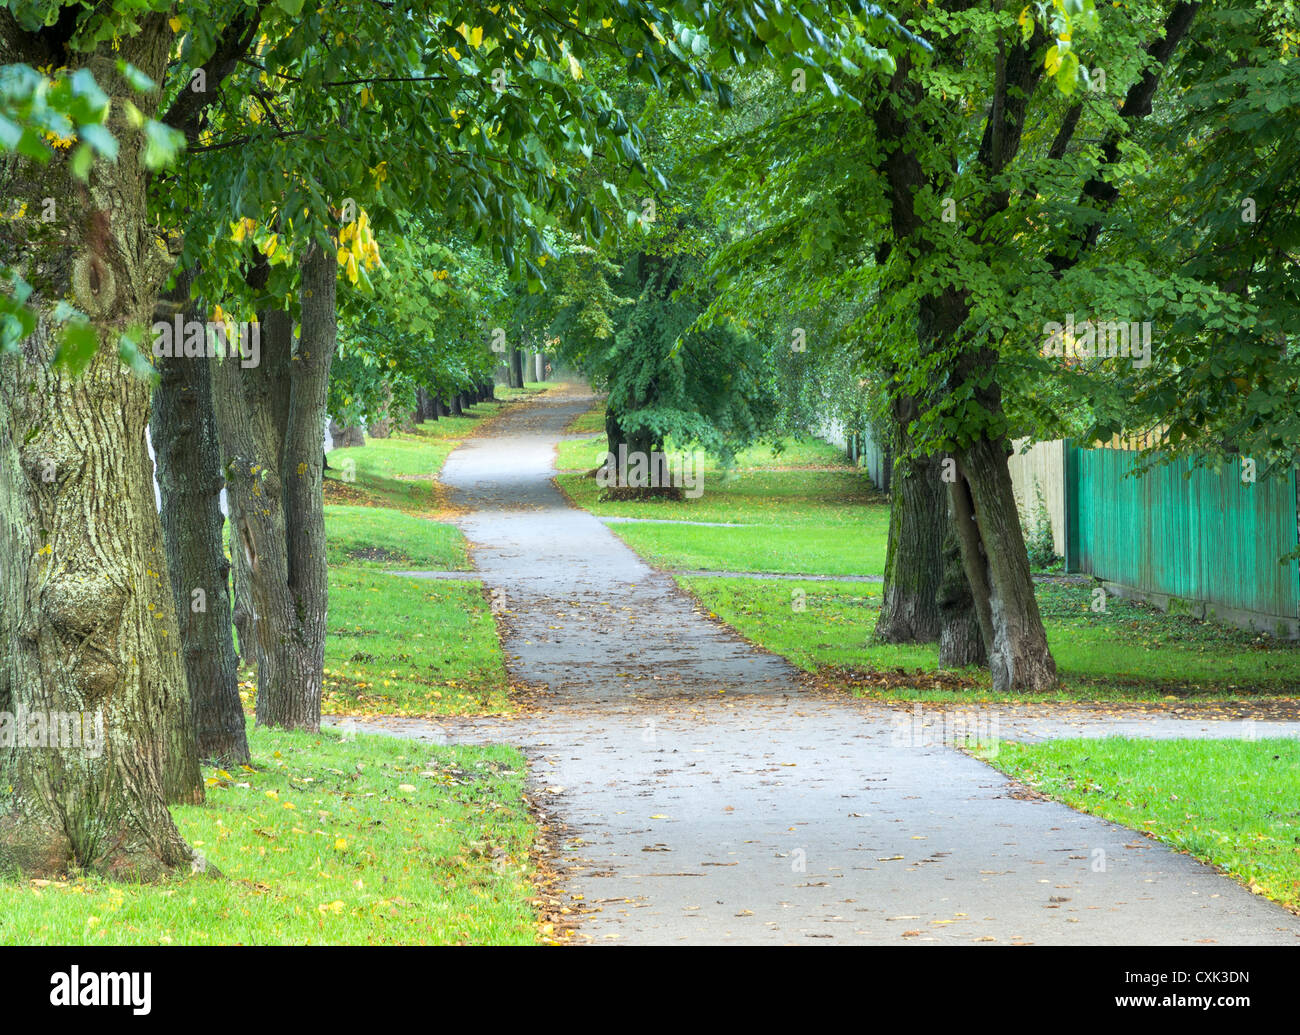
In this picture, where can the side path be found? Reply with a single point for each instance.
(708, 800)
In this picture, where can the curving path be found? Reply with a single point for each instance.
(708, 798)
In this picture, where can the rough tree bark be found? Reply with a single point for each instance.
(87, 620)
(997, 567)
(274, 454)
(961, 641)
(346, 437)
(183, 432)
(382, 426)
(909, 609)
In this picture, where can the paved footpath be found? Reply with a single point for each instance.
(707, 798)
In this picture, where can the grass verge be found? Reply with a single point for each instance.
(805, 510)
(1130, 651)
(405, 646)
(1232, 803)
(369, 841)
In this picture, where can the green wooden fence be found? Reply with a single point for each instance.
(1200, 535)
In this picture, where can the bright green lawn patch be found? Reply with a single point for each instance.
(580, 454)
(588, 423)
(818, 517)
(530, 388)
(321, 844)
(787, 549)
(1128, 651)
(392, 539)
(400, 471)
(404, 646)
(1232, 803)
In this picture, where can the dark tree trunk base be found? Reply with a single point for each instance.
(622, 493)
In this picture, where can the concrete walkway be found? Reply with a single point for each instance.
(709, 799)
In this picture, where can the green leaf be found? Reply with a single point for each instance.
(134, 360)
(1067, 76)
(81, 161)
(101, 140)
(77, 348)
(162, 144)
(137, 79)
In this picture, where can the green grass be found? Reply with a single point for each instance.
(589, 423)
(811, 512)
(400, 472)
(369, 841)
(385, 538)
(404, 646)
(579, 454)
(1129, 651)
(1232, 803)
(783, 549)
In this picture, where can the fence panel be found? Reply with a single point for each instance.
(1196, 534)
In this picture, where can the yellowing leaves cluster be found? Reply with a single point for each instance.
(357, 247)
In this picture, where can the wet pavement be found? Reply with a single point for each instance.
(709, 796)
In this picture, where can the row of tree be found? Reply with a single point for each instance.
(309, 134)
(889, 213)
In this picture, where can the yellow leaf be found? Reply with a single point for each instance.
(475, 36)
(175, 23)
(575, 69)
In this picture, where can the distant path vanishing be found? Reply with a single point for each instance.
(708, 798)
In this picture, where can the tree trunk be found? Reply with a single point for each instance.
(382, 426)
(273, 467)
(997, 566)
(516, 367)
(909, 608)
(299, 705)
(346, 437)
(183, 432)
(960, 641)
(635, 466)
(453, 405)
(87, 621)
